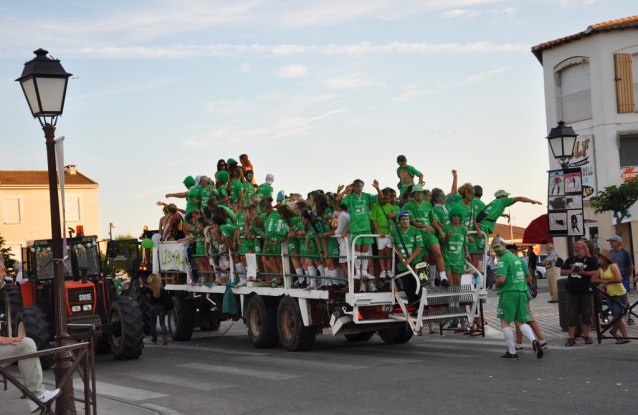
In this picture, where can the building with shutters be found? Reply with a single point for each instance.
(25, 213)
(591, 83)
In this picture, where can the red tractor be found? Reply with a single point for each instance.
(92, 294)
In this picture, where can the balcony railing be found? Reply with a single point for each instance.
(576, 106)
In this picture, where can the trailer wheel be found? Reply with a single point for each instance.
(127, 328)
(261, 319)
(396, 335)
(14, 305)
(293, 334)
(360, 337)
(31, 321)
(180, 320)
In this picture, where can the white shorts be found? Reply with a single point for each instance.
(385, 242)
(343, 250)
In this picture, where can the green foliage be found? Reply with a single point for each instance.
(618, 199)
(8, 262)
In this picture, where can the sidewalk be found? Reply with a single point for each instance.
(546, 315)
(11, 404)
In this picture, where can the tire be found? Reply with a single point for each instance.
(144, 300)
(261, 319)
(294, 336)
(539, 275)
(14, 305)
(360, 337)
(396, 335)
(180, 320)
(31, 321)
(127, 328)
(102, 345)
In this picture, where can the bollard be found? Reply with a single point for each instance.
(563, 318)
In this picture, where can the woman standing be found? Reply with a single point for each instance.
(157, 293)
(608, 275)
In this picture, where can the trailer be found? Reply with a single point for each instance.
(294, 317)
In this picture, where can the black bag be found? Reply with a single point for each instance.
(559, 262)
(167, 300)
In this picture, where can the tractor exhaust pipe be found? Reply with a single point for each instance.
(84, 271)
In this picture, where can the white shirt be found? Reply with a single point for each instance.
(344, 222)
(20, 278)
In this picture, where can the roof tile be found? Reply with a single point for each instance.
(39, 178)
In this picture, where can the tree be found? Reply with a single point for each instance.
(9, 262)
(617, 199)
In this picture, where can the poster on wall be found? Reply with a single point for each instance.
(565, 202)
(584, 158)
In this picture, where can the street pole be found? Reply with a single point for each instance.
(65, 404)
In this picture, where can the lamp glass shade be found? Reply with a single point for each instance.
(28, 86)
(557, 146)
(51, 91)
(568, 146)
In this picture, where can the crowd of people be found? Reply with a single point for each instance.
(230, 215)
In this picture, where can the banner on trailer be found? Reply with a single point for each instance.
(171, 256)
(565, 202)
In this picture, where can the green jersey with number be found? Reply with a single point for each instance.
(250, 188)
(409, 241)
(511, 268)
(205, 194)
(222, 193)
(453, 250)
(264, 190)
(236, 188)
(359, 210)
(421, 213)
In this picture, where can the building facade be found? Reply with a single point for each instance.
(25, 213)
(591, 83)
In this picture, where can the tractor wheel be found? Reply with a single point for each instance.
(360, 337)
(181, 320)
(31, 321)
(293, 334)
(396, 335)
(144, 300)
(102, 345)
(261, 319)
(127, 328)
(14, 305)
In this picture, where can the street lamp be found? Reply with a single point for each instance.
(44, 82)
(111, 226)
(562, 140)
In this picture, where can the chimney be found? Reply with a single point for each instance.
(70, 169)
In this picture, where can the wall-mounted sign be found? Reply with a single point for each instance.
(630, 173)
(584, 158)
(565, 195)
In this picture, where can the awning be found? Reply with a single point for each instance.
(537, 232)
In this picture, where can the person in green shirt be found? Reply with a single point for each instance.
(222, 195)
(496, 208)
(406, 174)
(512, 302)
(196, 230)
(455, 245)
(408, 244)
(440, 211)
(236, 187)
(423, 219)
(250, 188)
(477, 248)
(358, 204)
(275, 234)
(383, 219)
(295, 229)
(265, 189)
(192, 195)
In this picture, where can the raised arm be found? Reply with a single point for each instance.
(454, 184)
(180, 195)
(348, 190)
(526, 200)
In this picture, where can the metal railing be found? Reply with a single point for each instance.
(87, 374)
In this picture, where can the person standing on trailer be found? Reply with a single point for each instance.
(406, 174)
(408, 244)
(477, 248)
(383, 219)
(222, 191)
(512, 302)
(192, 195)
(237, 188)
(265, 189)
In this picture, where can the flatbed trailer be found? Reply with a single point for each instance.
(294, 317)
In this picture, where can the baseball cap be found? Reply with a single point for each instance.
(270, 178)
(404, 213)
(501, 193)
(231, 161)
(615, 238)
(417, 188)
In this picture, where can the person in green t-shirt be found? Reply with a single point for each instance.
(192, 195)
(196, 231)
(477, 248)
(295, 229)
(406, 174)
(512, 303)
(275, 234)
(496, 208)
(236, 187)
(423, 219)
(384, 219)
(408, 244)
(250, 188)
(222, 195)
(207, 191)
(455, 245)
(358, 204)
(265, 189)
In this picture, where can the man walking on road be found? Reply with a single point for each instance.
(622, 258)
(512, 302)
(552, 272)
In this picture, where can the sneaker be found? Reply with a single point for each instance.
(372, 287)
(383, 275)
(445, 283)
(368, 276)
(303, 285)
(519, 349)
(437, 281)
(357, 276)
(544, 345)
(509, 356)
(46, 397)
(320, 285)
(296, 284)
(389, 274)
(362, 287)
(241, 284)
(538, 349)
(309, 288)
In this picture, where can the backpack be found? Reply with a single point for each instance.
(559, 262)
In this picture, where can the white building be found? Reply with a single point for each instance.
(589, 84)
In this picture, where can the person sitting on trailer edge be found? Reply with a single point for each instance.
(408, 244)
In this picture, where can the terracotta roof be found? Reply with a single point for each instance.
(620, 24)
(504, 231)
(39, 178)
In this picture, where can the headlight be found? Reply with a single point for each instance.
(76, 308)
(87, 307)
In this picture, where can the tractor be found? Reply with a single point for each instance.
(93, 296)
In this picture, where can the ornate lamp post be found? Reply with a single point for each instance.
(562, 140)
(44, 83)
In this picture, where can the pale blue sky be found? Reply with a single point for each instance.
(317, 93)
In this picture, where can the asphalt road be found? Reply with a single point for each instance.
(213, 374)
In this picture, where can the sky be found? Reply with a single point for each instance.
(317, 93)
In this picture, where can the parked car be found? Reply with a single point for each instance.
(541, 272)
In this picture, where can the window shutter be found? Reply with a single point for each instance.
(624, 83)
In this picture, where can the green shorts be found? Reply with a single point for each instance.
(478, 246)
(244, 247)
(274, 249)
(512, 306)
(456, 266)
(429, 240)
(293, 245)
(200, 248)
(257, 245)
(362, 241)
